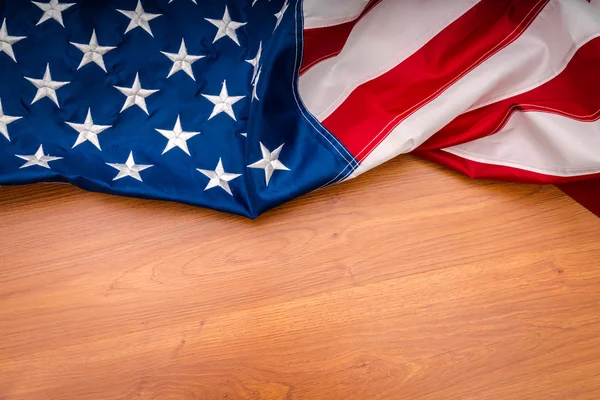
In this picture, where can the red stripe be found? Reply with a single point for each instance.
(323, 43)
(574, 93)
(585, 192)
(584, 189)
(376, 107)
(480, 170)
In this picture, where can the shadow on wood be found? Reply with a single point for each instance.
(409, 282)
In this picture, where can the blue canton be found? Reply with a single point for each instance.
(192, 101)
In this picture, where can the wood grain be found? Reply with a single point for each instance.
(408, 283)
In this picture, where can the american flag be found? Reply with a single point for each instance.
(241, 105)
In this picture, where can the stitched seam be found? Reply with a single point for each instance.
(515, 164)
(518, 90)
(518, 165)
(515, 108)
(335, 53)
(297, 100)
(414, 108)
(383, 69)
(322, 58)
(335, 179)
(324, 23)
(535, 108)
(329, 22)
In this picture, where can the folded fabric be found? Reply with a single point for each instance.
(242, 105)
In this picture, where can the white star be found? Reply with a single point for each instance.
(182, 61)
(88, 131)
(4, 121)
(226, 27)
(193, 1)
(255, 61)
(130, 168)
(38, 159)
(46, 87)
(92, 52)
(279, 15)
(177, 137)
(270, 162)
(223, 102)
(136, 95)
(219, 178)
(254, 85)
(52, 10)
(140, 18)
(6, 41)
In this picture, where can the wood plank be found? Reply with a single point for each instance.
(408, 282)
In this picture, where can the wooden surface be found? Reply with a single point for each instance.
(408, 283)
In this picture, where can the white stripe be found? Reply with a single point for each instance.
(382, 39)
(544, 143)
(579, 25)
(537, 56)
(322, 13)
